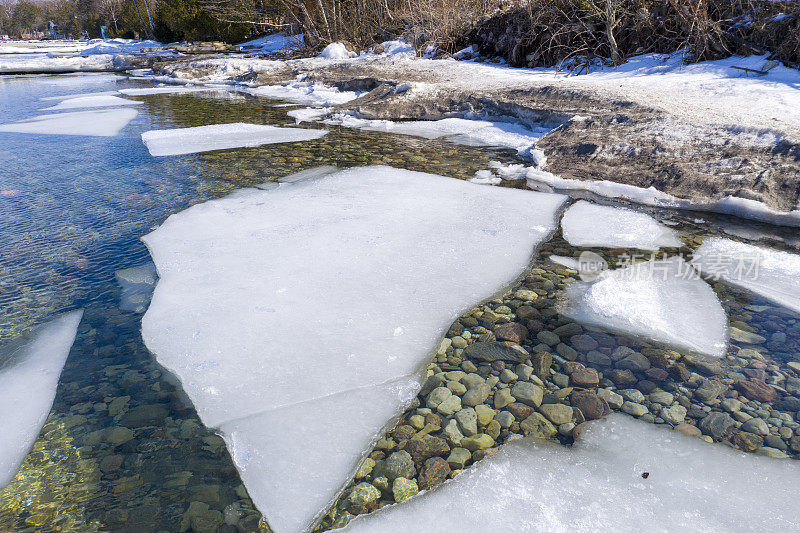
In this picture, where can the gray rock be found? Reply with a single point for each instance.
(452, 434)
(458, 458)
(612, 398)
(662, 397)
(632, 395)
(472, 380)
(467, 420)
(746, 337)
(731, 405)
(362, 498)
(634, 409)
(583, 343)
(548, 337)
(634, 361)
(757, 426)
(507, 376)
(716, 424)
(709, 390)
(118, 435)
(598, 358)
(437, 396)
(493, 351)
(399, 464)
(502, 398)
(556, 413)
(528, 393)
(673, 415)
(504, 418)
(450, 406)
(476, 395)
(523, 371)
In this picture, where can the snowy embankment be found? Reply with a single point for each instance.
(655, 130)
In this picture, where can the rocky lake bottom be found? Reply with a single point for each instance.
(124, 450)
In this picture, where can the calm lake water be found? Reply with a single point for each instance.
(72, 210)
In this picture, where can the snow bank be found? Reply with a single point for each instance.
(769, 273)
(91, 101)
(118, 46)
(336, 51)
(457, 130)
(28, 380)
(588, 224)
(221, 137)
(319, 301)
(535, 485)
(306, 93)
(277, 42)
(56, 65)
(661, 300)
(99, 123)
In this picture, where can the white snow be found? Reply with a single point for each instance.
(773, 274)
(55, 65)
(92, 101)
(336, 51)
(79, 95)
(99, 123)
(457, 130)
(146, 91)
(118, 46)
(308, 114)
(28, 380)
(306, 93)
(661, 300)
(569, 262)
(302, 301)
(222, 137)
(533, 485)
(277, 42)
(588, 224)
(136, 286)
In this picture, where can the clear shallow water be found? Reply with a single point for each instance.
(71, 211)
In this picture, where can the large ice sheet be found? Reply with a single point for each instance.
(662, 300)
(98, 123)
(457, 130)
(278, 302)
(275, 445)
(588, 224)
(221, 137)
(772, 274)
(597, 485)
(28, 379)
(94, 100)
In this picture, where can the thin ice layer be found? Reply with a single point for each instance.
(769, 273)
(597, 485)
(284, 303)
(167, 89)
(95, 100)
(279, 445)
(28, 381)
(661, 300)
(588, 224)
(457, 130)
(136, 286)
(96, 123)
(221, 137)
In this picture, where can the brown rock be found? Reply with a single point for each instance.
(481, 454)
(426, 447)
(590, 404)
(511, 331)
(656, 374)
(585, 377)
(434, 472)
(519, 410)
(755, 389)
(748, 442)
(794, 443)
(433, 419)
(688, 429)
(622, 377)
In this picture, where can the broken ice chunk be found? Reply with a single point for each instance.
(95, 100)
(28, 379)
(137, 285)
(769, 273)
(222, 136)
(588, 224)
(661, 300)
(620, 475)
(98, 123)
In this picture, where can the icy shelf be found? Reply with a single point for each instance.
(769, 273)
(306, 300)
(661, 300)
(168, 89)
(597, 485)
(97, 123)
(588, 224)
(99, 100)
(28, 380)
(221, 137)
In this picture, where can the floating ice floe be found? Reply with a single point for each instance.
(78, 95)
(769, 273)
(136, 285)
(28, 380)
(221, 137)
(168, 89)
(308, 114)
(662, 300)
(101, 100)
(588, 224)
(599, 484)
(98, 123)
(305, 313)
(307, 93)
(457, 130)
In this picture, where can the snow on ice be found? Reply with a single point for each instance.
(321, 298)
(28, 380)
(598, 484)
(588, 224)
(221, 137)
(98, 123)
(662, 300)
(99, 100)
